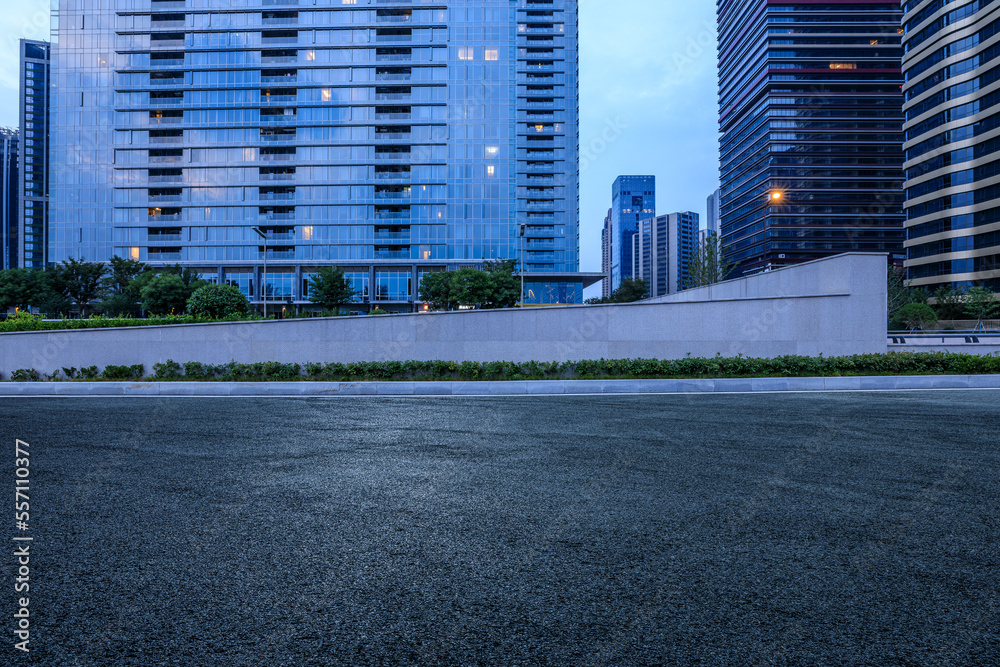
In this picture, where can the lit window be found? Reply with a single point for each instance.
(491, 54)
(873, 42)
(843, 66)
(311, 54)
(491, 170)
(326, 94)
(492, 150)
(307, 233)
(539, 128)
(133, 253)
(465, 53)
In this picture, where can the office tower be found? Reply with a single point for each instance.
(811, 121)
(633, 199)
(8, 197)
(606, 256)
(952, 154)
(713, 213)
(34, 166)
(662, 249)
(390, 139)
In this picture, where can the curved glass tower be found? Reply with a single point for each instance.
(952, 66)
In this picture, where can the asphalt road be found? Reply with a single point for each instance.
(776, 529)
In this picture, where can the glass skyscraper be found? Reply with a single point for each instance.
(33, 187)
(662, 250)
(9, 142)
(633, 199)
(952, 65)
(811, 122)
(390, 138)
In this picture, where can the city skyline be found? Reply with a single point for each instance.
(667, 61)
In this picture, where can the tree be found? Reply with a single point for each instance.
(631, 289)
(218, 302)
(950, 302)
(981, 304)
(164, 294)
(23, 288)
(330, 288)
(436, 290)
(471, 288)
(915, 316)
(900, 293)
(708, 264)
(82, 282)
(122, 273)
(504, 284)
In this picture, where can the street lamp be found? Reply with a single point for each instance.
(522, 266)
(263, 281)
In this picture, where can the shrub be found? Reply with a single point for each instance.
(25, 375)
(89, 373)
(112, 372)
(914, 316)
(168, 370)
(218, 302)
(69, 372)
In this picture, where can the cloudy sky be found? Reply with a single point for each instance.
(647, 100)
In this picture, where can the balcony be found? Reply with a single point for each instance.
(392, 215)
(277, 157)
(163, 5)
(276, 217)
(172, 178)
(392, 253)
(279, 37)
(278, 57)
(277, 196)
(393, 237)
(160, 238)
(401, 175)
(393, 76)
(176, 24)
(393, 56)
(396, 194)
(154, 256)
(386, 137)
(279, 18)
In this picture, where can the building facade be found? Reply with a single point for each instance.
(662, 249)
(606, 256)
(713, 207)
(9, 240)
(633, 199)
(952, 65)
(33, 190)
(811, 121)
(389, 139)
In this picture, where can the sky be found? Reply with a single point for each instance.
(647, 101)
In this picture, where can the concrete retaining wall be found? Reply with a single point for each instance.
(834, 306)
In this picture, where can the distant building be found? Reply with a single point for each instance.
(714, 214)
(662, 250)
(633, 199)
(34, 166)
(953, 155)
(810, 113)
(8, 197)
(606, 256)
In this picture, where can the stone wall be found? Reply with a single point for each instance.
(834, 306)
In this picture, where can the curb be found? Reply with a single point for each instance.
(507, 388)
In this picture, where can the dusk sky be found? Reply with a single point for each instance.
(647, 101)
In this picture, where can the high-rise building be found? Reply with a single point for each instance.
(811, 120)
(9, 150)
(662, 249)
(713, 214)
(633, 199)
(34, 166)
(952, 64)
(606, 256)
(390, 140)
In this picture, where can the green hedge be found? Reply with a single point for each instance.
(893, 363)
(23, 321)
